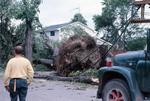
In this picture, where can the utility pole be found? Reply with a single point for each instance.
(141, 4)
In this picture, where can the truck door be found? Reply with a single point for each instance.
(143, 74)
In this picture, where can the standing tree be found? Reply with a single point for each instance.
(27, 12)
(74, 28)
(78, 17)
(6, 29)
(113, 21)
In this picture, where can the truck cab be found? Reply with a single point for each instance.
(128, 79)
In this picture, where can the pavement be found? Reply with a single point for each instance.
(43, 90)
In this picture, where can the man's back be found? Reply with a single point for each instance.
(19, 67)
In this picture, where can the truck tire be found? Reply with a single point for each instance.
(116, 90)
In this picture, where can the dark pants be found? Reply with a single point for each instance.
(21, 89)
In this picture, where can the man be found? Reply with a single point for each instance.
(18, 75)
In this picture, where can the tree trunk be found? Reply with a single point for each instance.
(46, 62)
(0, 56)
(54, 76)
(28, 40)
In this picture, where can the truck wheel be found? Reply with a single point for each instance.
(116, 90)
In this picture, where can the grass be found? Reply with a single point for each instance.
(90, 72)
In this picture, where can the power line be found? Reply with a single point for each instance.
(126, 25)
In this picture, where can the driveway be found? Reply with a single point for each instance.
(43, 90)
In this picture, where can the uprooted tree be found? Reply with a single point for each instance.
(79, 53)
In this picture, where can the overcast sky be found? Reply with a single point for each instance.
(61, 11)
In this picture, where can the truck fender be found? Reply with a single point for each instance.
(128, 74)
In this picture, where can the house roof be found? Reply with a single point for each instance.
(55, 27)
(58, 26)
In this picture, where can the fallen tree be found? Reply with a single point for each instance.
(79, 53)
(46, 62)
(53, 76)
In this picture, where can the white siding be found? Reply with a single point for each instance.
(53, 38)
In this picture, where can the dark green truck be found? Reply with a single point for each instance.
(129, 77)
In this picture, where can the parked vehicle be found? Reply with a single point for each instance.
(126, 77)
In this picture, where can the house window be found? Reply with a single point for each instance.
(52, 33)
(41, 32)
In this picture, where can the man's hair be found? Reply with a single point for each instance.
(18, 49)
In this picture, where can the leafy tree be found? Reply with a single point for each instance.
(19, 34)
(113, 21)
(26, 10)
(6, 30)
(40, 49)
(138, 43)
(78, 17)
(73, 29)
